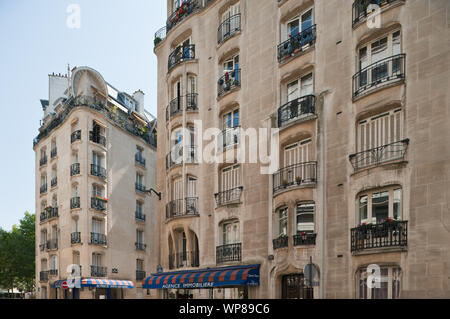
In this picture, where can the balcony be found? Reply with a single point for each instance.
(181, 13)
(75, 238)
(98, 239)
(182, 208)
(98, 271)
(178, 156)
(43, 189)
(280, 242)
(140, 160)
(140, 216)
(140, 246)
(49, 213)
(379, 74)
(228, 253)
(53, 152)
(175, 106)
(184, 259)
(140, 188)
(305, 239)
(43, 276)
(98, 203)
(294, 110)
(43, 161)
(75, 202)
(228, 28)
(53, 272)
(43, 246)
(52, 244)
(54, 182)
(389, 234)
(231, 196)
(228, 137)
(296, 44)
(379, 155)
(191, 102)
(301, 174)
(97, 170)
(75, 169)
(230, 81)
(360, 12)
(140, 275)
(181, 54)
(160, 35)
(97, 138)
(75, 136)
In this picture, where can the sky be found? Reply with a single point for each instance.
(115, 37)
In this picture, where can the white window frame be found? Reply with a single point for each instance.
(393, 192)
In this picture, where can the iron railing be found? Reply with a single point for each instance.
(98, 204)
(304, 239)
(228, 137)
(280, 242)
(230, 252)
(49, 213)
(54, 182)
(181, 54)
(229, 81)
(98, 271)
(75, 238)
(97, 138)
(229, 196)
(43, 246)
(191, 102)
(380, 73)
(97, 170)
(139, 159)
(298, 174)
(296, 109)
(53, 152)
(387, 234)
(175, 106)
(43, 276)
(297, 43)
(52, 244)
(140, 188)
(160, 35)
(182, 207)
(140, 275)
(228, 28)
(139, 216)
(53, 272)
(379, 155)
(75, 136)
(74, 202)
(359, 8)
(140, 246)
(75, 169)
(43, 189)
(178, 156)
(98, 239)
(43, 160)
(182, 12)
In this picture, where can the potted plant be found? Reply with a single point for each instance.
(284, 183)
(298, 179)
(157, 40)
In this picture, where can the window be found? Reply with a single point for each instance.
(300, 88)
(97, 226)
(299, 24)
(296, 153)
(139, 264)
(230, 22)
(139, 236)
(53, 262)
(387, 288)
(305, 218)
(231, 177)
(97, 191)
(139, 208)
(231, 119)
(139, 179)
(96, 259)
(97, 159)
(191, 187)
(283, 222)
(376, 206)
(231, 64)
(230, 125)
(230, 232)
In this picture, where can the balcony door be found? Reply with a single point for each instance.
(296, 153)
(231, 178)
(231, 233)
(96, 226)
(230, 25)
(299, 24)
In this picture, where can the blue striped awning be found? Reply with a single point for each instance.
(205, 278)
(96, 282)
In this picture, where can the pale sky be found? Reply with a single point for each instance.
(115, 38)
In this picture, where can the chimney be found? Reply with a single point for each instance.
(139, 97)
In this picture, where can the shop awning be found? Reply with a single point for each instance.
(96, 282)
(204, 278)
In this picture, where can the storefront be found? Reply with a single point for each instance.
(225, 282)
(101, 288)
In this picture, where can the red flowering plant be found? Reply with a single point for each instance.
(103, 199)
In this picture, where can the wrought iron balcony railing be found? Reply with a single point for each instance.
(139, 216)
(227, 253)
(98, 204)
(43, 189)
(296, 109)
(53, 272)
(75, 238)
(75, 169)
(378, 74)
(140, 188)
(182, 207)
(360, 8)
(304, 239)
(160, 35)
(43, 276)
(43, 246)
(229, 81)
(98, 239)
(54, 182)
(74, 202)
(297, 43)
(191, 102)
(230, 196)
(379, 155)
(178, 156)
(49, 213)
(140, 275)
(98, 271)
(297, 174)
(52, 244)
(75, 136)
(280, 242)
(228, 28)
(43, 161)
(139, 159)
(181, 54)
(228, 137)
(53, 152)
(387, 234)
(97, 170)
(175, 106)
(140, 246)
(97, 138)
(182, 12)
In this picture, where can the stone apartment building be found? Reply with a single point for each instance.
(362, 107)
(95, 160)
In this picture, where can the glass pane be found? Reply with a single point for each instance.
(307, 20)
(293, 28)
(398, 204)
(307, 85)
(283, 221)
(362, 209)
(380, 206)
(305, 218)
(236, 118)
(379, 50)
(292, 91)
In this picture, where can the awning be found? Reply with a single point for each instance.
(205, 278)
(96, 282)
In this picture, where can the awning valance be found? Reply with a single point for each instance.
(205, 278)
(95, 282)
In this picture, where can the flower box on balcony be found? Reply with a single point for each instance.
(102, 199)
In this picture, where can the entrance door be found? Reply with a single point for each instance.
(293, 287)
